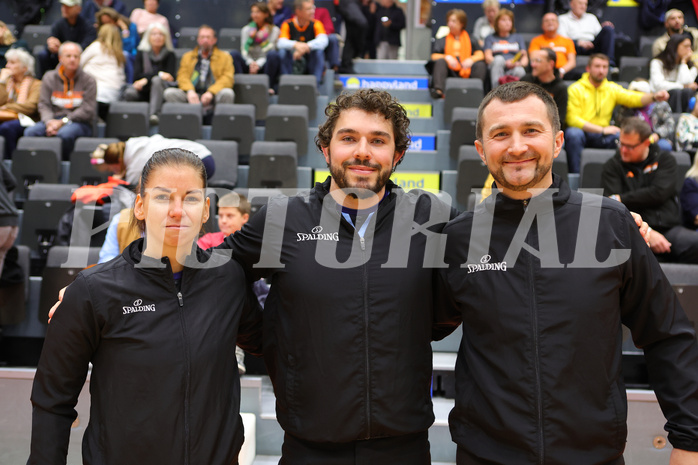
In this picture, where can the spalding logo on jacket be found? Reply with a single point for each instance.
(139, 307)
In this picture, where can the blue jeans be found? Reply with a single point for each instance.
(11, 131)
(67, 133)
(315, 63)
(576, 140)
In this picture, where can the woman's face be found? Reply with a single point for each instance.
(106, 19)
(454, 26)
(505, 25)
(257, 16)
(16, 67)
(174, 207)
(156, 38)
(151, 6)
(684, 49)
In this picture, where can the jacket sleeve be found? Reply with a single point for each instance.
(447, 317)
(186, 68)
(138, 72)
(250, 330)
(71, 339)
(45, 107)
(224, 79)
(574, 106)
(611, 178)
(247, 245)
(658, 80)
(663, 186)
(650, 309)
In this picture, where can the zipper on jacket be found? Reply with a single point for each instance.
(187, 364)
(366, 342)
(181, 300)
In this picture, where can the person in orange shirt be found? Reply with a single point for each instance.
(302, 42)
(563, 46)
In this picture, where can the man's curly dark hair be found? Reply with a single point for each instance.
(370, 101)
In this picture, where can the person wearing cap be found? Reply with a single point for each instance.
(71, 27)
(674, 24)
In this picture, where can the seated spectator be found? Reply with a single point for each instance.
(279, 12)
(8, 42)
(689, 197)
(505, 51)
(68, 101)
(154, 69)
(484, 25)
(258, 47)
(687, 130)
(391, 20)
(674, 24)
(302, 42)
(129, 32)
(91, 7)
(368, 9)
(588, 34)
(144, 17)
(19, 95)
(332, 50)
(205, 74)
(545, 74)
(643, 178)
(454, 55)
(590, 105)
(566, 55)
(72, 28)
(673, 70)
(104, 61)
(657, 114)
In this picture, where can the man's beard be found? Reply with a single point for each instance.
(539, 173)
(361, 189)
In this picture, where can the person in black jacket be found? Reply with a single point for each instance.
(160, 336)
(154, 69)
(542, 278)
(644, 178)
(390, 21)
(544, 73)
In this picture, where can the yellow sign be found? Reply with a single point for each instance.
(418, 110)
(408, 180)
(632, 3)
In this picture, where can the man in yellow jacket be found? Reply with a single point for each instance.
(590, 106)
(205, 74)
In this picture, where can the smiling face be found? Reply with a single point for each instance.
(174, 207)
(361, 153)
(518, 145)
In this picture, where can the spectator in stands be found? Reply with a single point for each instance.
(279, 12)
(68, 101)
(302, 42)
(91, 7)
(368, 8)
(643, 178)
(72, 28)
(505, 51)
(391, 20)
(545, 73)
(104, 60)
(9, 215)
(689, 197)
(258, 52)
(332, 50)
(19, 95)
(125, 318)
(687, 130)
(144, 17)
(674, 24)
(154, 69)
(484, 25)
(657, 114)
(128, 30)
(588, 34)
(590, 105)
(356, 26)
(9, 42)
(673, 70)
(205, 74)
(566, 55)
(454, 55)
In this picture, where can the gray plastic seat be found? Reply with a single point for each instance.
(299, 90)
(225, 154)
(591, 166)
(82, 171)
(127, 119)
(253, 89)
(462, 129)
(461, 92)
(36, 34)
(472, 173)
(234, 122)
(288, 123)
(229, 38)
(273, 165)
(181, 121)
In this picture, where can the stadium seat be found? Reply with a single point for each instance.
(127, 119)
(288, 123)
(273, 165)
(82, 171)
(13, 297)
(634, 67)
(472, 173)
(235, 122)
(461, 92)
(36, 34)
(299, 90)
(462, 129)
(181, 121)
(34, 166)
(42, 212)
(646, 43)
(225, 154)
(229, 38)
(254, 89)
(591, 166)
(684, 280)
(683, 164)
(560, 166)
(186, 37)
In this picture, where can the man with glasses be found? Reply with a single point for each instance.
(644, 179)
(590, 105)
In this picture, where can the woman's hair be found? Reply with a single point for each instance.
(263, 8)
(7, 38)
(174, 158)
(460, 16)
(109, 37)
(669, 55)
(23, 57)
(501, 13)
(112, 13)
(144, 46)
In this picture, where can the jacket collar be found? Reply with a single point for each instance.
(133, 254)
